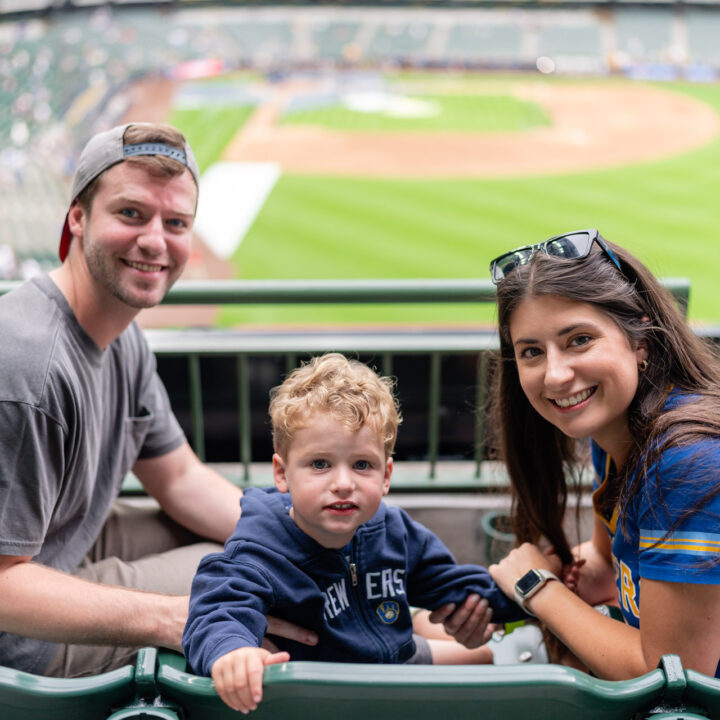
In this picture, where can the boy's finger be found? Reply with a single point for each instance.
(255, 667)
(226, 687)
(277, 658)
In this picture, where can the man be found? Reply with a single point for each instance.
(84, 581)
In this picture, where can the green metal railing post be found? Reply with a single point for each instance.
(290, 362)
(198, 423)
(480, 401)
(244, 406)
(434, 412)
(387, 364)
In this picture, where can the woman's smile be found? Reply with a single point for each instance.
(573, 401)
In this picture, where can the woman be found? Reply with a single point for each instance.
(592, 346)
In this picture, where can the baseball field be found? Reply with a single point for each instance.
(432, 175)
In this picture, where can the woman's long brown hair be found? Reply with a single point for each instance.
(540, 459)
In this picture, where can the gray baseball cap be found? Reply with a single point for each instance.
(107, 149)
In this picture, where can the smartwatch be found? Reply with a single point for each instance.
(529, 584)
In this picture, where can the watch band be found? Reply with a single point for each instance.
(529, 584)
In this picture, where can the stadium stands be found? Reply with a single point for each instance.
(335, 40)
(498, 42)
(402, 41)
(646, 35)
(703, 29)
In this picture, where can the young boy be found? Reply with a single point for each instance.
(325, 553)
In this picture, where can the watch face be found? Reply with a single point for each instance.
(527, 582)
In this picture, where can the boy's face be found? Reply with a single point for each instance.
(336, 477)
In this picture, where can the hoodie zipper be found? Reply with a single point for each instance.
(353, 570)
(362, 609)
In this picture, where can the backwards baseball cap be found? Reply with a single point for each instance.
(107, 149)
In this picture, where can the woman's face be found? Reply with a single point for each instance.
(577, 368)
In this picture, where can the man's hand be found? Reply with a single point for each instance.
(287, 630)
(238, 676)
(469, 624)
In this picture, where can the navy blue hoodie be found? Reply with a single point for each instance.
(356, 599)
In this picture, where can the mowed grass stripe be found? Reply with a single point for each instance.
(209, 130)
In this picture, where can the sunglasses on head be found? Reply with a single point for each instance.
(570, 246)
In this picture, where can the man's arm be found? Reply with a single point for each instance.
(191, 493)
(43, 603)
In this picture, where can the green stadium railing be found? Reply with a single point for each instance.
(193, 343)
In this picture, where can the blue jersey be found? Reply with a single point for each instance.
(656, 541)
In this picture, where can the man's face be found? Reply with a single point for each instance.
(137, 233)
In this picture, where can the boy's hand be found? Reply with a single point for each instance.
(238, 676)
(570, 574)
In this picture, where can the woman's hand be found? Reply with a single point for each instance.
(519, 561)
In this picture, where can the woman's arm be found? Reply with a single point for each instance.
(596, 582)
(609, 648)
(681, 618)
(676, 618)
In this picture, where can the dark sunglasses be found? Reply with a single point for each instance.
(570, 246)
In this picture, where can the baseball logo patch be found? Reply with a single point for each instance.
(388, 611)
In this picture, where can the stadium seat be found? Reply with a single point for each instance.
(146, 705)
(385, 692)
(702, 692)
(24, 696)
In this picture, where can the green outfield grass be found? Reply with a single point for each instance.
(469, 113)
(209, 130)
(665, 212)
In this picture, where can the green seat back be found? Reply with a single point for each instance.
(295, 691)
(24, 696)
(703, 691)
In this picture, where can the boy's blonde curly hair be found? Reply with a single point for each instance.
(346, 389)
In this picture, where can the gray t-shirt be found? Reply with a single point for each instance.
(73, 421)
